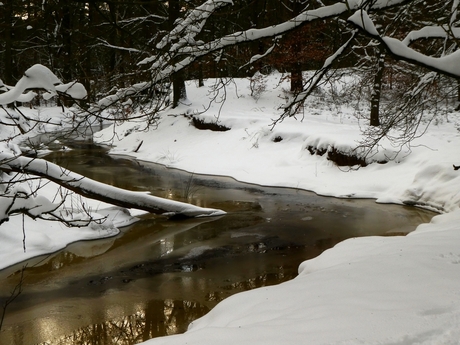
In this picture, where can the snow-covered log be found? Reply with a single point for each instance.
(101, 191)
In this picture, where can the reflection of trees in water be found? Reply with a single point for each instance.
(162, 317)
(251, 283)
(158, 319)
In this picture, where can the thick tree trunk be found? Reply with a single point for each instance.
(296, 78)
(178, 79)
(179, 89)
(200, 75)
(296, 67)
(101, 191)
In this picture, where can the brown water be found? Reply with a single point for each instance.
(159, 275)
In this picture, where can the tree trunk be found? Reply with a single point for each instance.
(178, 79)
(296, 67)
(458, 95)
(296, 78)
(200, 75)
(8, 78)
(101, 191)
(377, 88)
(179, 90)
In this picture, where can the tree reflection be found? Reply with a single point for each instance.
(159, 318)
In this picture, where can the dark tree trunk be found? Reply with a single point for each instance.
(296, 67)
(179, 89)
(377, 88)
(178, 79)
(66, 50)
(200, 75)
(7, 76)
(296, 78)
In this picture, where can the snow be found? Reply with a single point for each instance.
(361, 18)
(40, 77)
(446, 64)
(374, 290)
(25, 195)
(43, 237)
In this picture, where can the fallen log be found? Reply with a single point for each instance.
(100, 191)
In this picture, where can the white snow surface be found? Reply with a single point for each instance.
(40, 77)
(374, 290)
(43, 237)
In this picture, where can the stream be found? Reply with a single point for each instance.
(158, 275)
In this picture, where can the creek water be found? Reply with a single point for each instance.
(158, 275)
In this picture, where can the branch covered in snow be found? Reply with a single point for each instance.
(40, 77)
(186, 30)
(431, 32)
(447, 65)
(186, 50)
(101, 191)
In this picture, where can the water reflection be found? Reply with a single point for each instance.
(156, 318)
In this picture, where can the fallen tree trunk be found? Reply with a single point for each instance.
(100, 191)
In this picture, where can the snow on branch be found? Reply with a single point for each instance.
(431, 32)
(447, 65)
(17, 201)
(190, 50)
(258, 57)
(40, 77)
(321, 13)
(101, 191)
(187, 29)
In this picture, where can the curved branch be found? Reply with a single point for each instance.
(447, 65)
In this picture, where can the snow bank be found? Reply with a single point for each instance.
(375, 290)
(24, 238)
(254, 151)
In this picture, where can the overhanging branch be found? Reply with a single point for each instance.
(100, 191)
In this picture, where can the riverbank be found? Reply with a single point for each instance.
(363, 291)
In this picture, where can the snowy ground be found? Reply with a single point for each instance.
(24, 238)
(400, 290)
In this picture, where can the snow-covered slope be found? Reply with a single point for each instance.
(375, 290)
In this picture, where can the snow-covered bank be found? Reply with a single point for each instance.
(42, 237)
(23, 238)
(253, 152)
(375, 290)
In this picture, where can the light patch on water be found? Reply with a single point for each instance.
(243, 234)
(197, 251)
(307, 218)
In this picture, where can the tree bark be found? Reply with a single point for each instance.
(296, 66)
(178, 79)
